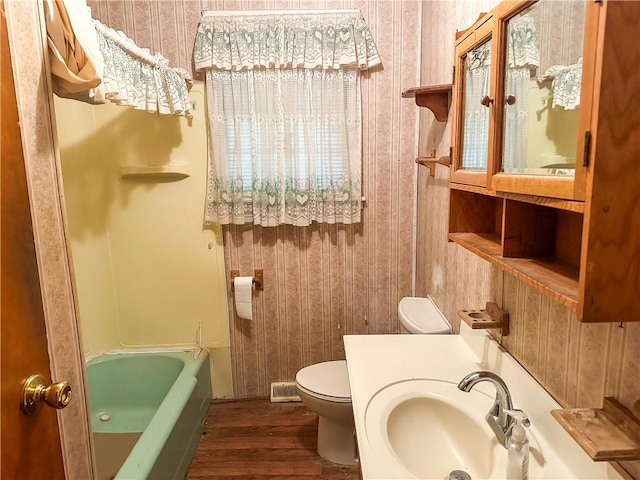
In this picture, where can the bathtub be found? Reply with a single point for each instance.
(156, 402)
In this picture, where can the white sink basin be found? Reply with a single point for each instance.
(413, 422)
(430, 427)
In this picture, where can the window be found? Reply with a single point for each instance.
(285, 126)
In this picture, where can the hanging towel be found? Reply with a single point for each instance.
(76, 62)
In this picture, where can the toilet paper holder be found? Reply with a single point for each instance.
(258, 278)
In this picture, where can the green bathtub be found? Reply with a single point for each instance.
(156, 401)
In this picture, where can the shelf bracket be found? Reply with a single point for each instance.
(436, 98)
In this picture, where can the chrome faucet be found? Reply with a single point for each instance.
(498, 420)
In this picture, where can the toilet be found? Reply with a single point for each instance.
(324, 387)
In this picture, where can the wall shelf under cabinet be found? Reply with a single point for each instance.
(546, 274)
(436, 98)
(534, 242)
(569, 205)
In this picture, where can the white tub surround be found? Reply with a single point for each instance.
(378, 361)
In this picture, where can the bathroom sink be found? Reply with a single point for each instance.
(429, 428)
(412, 421)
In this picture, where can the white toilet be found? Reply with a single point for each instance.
(324, 387)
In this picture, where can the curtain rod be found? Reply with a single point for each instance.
(227, 13)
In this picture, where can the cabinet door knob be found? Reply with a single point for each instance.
(486, 101)
(510, 100)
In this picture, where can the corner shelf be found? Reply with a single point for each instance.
(436, 98)
(167, 172)
(610, 433)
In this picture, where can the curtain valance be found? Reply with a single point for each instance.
(133, 76)
(315, 40)
(523, 49)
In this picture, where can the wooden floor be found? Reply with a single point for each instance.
(259, 440)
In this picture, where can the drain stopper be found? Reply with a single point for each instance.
(459, 475)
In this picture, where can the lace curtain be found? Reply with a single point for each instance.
(523, 57)
(134, 77)
(565, 85)
(476, 115)
(312, 40)
(283, 95)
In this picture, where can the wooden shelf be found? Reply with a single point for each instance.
(472, 189)
(547, 275)
(557, 203)
(436, 98)
(610, 433)
(569, 205)
(485, 245)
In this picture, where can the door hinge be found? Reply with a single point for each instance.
(587, 148)
(453, 75)
(597, 1)
(450, 154)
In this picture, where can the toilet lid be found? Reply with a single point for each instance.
(329, 379)
(420, 315)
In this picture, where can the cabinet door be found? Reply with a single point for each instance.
(473, 104)
(544, 88)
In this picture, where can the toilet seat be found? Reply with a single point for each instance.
(326, 380)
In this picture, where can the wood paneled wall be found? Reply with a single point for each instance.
(577, 363)
(323, 281)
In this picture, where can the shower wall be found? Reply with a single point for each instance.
(147, 272)
(323, 281)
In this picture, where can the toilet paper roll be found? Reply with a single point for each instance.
(243, 292)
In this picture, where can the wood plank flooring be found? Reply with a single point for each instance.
(256, 439)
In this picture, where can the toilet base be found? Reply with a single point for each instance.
(337, 441)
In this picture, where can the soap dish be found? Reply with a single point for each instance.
(610, 433)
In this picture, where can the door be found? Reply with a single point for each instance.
(472, 139)
(30, 444)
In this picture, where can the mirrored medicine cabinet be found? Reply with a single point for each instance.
(522, 102)
(545, 159)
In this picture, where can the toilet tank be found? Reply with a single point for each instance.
(421, 315)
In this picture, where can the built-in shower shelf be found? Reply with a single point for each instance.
(166, 172)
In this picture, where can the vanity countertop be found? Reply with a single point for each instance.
(377, 361)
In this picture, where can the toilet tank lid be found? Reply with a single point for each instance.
(420, 315)
(326, 378)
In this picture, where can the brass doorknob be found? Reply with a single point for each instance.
(36, 391)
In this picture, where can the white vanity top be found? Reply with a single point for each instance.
(377, 361)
